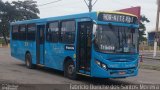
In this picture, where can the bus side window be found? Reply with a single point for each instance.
(31, 30)
(15, 32)
(52, 32)
(22, 32)
(68, 32)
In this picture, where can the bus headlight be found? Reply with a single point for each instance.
(102, 65)
(98, 63)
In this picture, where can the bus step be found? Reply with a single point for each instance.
(40, 65)
(87, 68)
(84, 74)
(82, 67)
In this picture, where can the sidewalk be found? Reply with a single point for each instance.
(143, 65)
(154, 58)
(4, 46)
(149, 55)
(150, 63)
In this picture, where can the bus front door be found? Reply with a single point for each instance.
(84, 45)
(40, 44)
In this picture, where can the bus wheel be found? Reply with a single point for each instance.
(28, 61)
(70, 70)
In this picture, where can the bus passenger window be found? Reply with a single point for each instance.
(22, 32)
(15, 32)
(68, 32)
(41, 36)
(52, 32)
(31, 29)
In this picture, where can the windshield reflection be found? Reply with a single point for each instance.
(116, 39)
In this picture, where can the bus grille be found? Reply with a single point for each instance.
(121, 59)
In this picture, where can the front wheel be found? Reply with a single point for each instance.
(70, 70)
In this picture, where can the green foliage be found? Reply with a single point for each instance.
(1, 41)
(16, 11)
(142, 28)
(26, 9)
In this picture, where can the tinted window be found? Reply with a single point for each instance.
(53, 32)
(15, 32)
(68, 32)
(22, 32)
(116, 39)
(31, 29)
(41, 33)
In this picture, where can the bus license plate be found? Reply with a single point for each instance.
(122, 73)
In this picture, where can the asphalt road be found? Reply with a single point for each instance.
(14, 71)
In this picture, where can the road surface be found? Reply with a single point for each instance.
(14, 71)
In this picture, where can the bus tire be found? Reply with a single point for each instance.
(28, 61)
(70, 70)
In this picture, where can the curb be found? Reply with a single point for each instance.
(151, 58)
(149, 67)
(4, 46)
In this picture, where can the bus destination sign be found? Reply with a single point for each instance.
(117, 18)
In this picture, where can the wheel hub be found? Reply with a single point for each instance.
(70, 69)
(27, 62)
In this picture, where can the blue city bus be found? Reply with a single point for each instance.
(96, 44)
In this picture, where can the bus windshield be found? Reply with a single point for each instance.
(116, 39)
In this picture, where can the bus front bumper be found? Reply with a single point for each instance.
(100, 72)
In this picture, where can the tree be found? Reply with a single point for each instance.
(142, 28)
(16, 11)
(2, 12)
(26, 9)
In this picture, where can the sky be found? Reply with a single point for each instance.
(66, 7)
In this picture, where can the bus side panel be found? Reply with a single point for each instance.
(14, 48)
(18, 49)
(55, 55)
(50, 55)
(62, 54)
(31, 48)
(21, 50)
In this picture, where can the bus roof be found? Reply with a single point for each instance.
(91, 15)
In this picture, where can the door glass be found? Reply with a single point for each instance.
(85, 36)
(40, 44)
(41, 35)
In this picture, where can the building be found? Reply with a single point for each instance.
(151, 38)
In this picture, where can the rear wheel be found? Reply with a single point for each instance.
(28, 61)
(70, 70)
